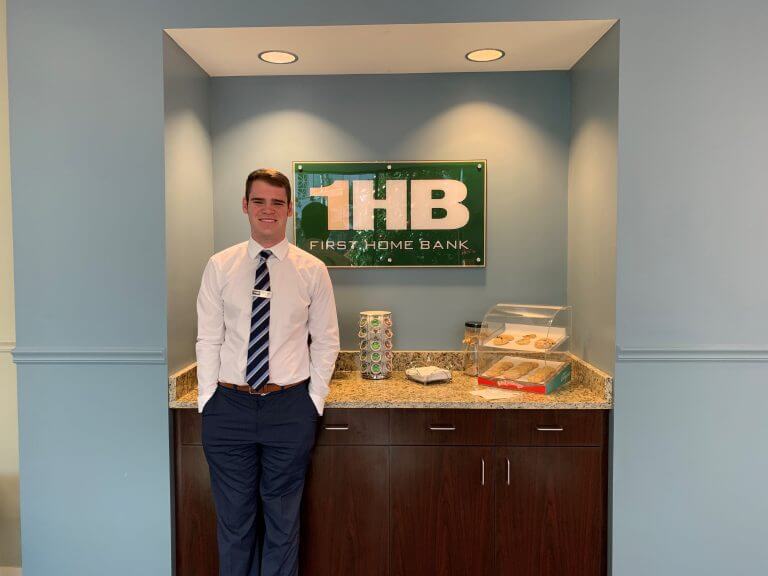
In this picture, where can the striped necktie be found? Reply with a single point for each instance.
(257, 366)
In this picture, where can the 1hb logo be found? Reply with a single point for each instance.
(396, 205)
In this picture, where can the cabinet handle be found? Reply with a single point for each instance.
(549, 428)
(442, 428)
(342, 427)
(482, 472)
(509, 466)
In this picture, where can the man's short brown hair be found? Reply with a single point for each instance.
(272, 176)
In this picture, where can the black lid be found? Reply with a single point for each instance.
(473, 324)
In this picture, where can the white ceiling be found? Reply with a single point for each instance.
(391, 49)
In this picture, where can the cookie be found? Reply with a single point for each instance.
(541, 375)
(497, 369)
(519, 371)
(544, 343)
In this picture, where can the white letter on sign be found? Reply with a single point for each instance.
(422, 203)
(363, 204)
(338, 203)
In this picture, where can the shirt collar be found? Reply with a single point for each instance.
(279, 250)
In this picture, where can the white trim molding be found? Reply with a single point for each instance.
(7, 346)
(33, 355)
(706, 354)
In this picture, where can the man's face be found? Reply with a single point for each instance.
(268, 210)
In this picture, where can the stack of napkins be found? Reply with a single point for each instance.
(428, 374)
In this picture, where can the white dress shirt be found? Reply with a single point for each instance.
(302, 304)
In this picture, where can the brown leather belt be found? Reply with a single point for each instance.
(268, 388)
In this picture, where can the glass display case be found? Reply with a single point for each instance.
(524, 347)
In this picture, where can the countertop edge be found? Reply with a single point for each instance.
(458, 405)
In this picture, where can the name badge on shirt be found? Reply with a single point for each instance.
(261, 293)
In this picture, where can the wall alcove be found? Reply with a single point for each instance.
(544, 117)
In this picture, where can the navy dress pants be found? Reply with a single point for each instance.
(258, 449)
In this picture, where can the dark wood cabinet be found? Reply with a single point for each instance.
(438, 492)
(345, 512)
(345, 528)
(441, 427)
(551, 492)
(550, 511)
(195, 516)
(441, 500)
(551, 428)
(344, 426)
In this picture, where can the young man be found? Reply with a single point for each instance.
(267, 342)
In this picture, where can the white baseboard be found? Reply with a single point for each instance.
(9, 571)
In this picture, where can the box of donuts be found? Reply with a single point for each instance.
(526, 374)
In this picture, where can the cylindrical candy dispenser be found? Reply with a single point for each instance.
(375, 333)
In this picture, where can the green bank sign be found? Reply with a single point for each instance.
(366, 214)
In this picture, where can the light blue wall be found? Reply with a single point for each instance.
(689, 438)
(86, 97)
(519, 122)
(689, 471)
(592, 195)
(94, 474)
(188, 195)
(692, 185)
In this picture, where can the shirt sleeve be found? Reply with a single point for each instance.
(324, 332)
(210, 334)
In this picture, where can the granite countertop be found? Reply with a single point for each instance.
(589, 389)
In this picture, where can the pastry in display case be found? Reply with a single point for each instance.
(525, 347)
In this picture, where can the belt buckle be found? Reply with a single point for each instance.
(254, 392)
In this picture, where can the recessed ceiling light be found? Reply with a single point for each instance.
(485, 55)
(278, 57)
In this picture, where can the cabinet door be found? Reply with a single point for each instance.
(196, 548)
(441, 498)
(345, 527)
(550, 511)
